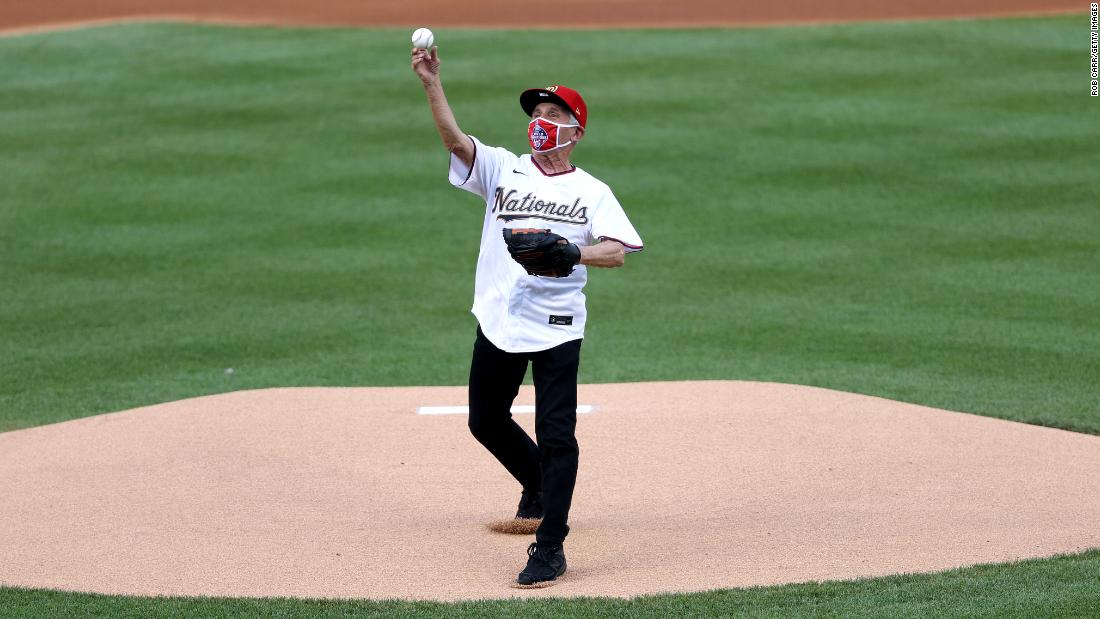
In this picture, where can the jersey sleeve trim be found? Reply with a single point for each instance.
(473, 162)
(626, 246)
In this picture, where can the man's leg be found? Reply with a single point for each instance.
(555, 374)
(495, 377)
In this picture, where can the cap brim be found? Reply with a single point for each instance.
(529, 99)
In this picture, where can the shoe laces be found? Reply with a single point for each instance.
(542, 552)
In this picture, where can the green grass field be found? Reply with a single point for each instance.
(1062, 587)
(906, 210)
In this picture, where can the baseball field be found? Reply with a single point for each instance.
(901, 209)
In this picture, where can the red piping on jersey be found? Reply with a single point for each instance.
(472, 161)
(634, 247)
(572, 167)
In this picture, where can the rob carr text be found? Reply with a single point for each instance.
(1094, 8)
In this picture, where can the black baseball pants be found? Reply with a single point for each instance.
(550, 466)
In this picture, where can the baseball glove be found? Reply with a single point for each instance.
(541, 252)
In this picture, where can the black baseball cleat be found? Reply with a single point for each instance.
(530, 506)
(545, 563)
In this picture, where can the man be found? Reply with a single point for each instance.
(525, 317)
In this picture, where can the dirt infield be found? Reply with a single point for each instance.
(32, 14)
(683, 486)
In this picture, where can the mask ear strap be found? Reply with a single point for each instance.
(557, 147)
(559, 125)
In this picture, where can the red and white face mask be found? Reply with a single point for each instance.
(543, 134)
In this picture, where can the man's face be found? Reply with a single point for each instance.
(560, 115)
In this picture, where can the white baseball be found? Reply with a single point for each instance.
(423, 38)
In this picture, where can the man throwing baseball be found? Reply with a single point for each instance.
(546, 221)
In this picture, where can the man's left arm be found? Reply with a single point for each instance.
(611, 235)
(608, 254)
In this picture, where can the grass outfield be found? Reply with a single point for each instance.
(905, 210)
(1062, 587)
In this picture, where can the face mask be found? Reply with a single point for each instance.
(543, 134)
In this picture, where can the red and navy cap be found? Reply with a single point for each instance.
(562, 95)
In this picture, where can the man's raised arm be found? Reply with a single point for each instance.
(426, 66)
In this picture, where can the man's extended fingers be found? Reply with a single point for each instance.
(430, 59)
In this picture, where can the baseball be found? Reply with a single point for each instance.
(423, 38)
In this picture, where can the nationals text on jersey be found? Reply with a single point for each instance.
(564, 212)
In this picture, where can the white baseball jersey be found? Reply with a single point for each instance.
(520, 312)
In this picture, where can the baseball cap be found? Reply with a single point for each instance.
(562, 95)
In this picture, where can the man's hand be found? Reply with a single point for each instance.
(426, 64)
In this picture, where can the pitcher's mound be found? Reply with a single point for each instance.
(682, 487)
